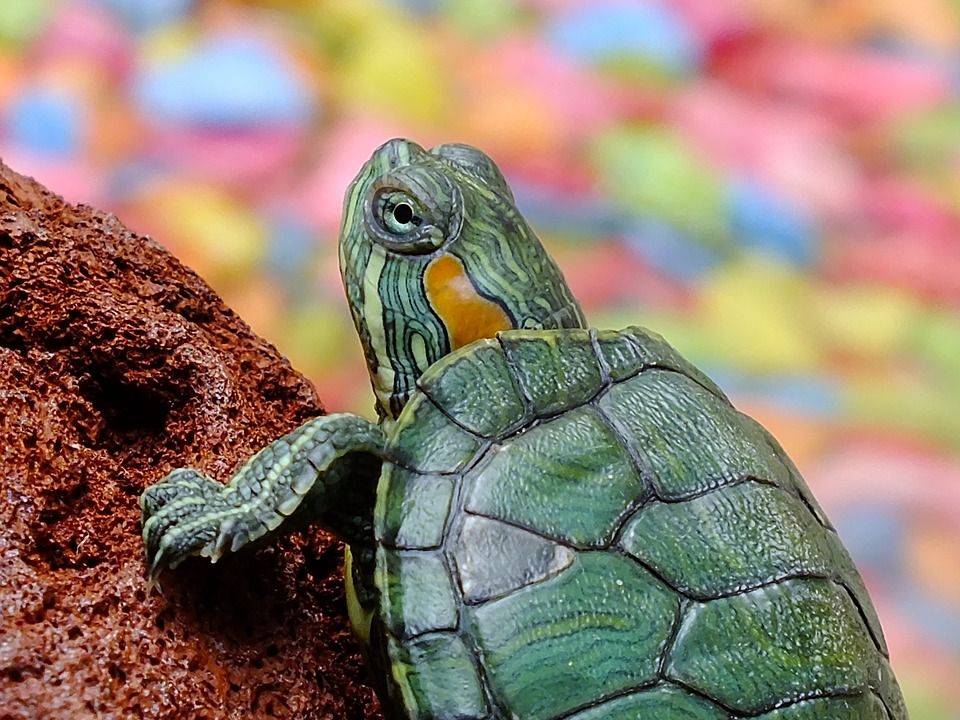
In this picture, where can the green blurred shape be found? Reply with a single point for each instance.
(935, 340)
(318, 337)
(21, 20)
(482, 18)
(925, 702)
(653, 171)
(930, 138)
(906, 403)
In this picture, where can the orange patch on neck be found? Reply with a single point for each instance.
(468, 315)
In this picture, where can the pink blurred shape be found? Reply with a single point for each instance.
(900, 205)
(582, 100)
(616, 276)
(82, 30)
(713, 20)
(235, 157)
(792, 148)
(850, 85)
(928, 265)
(914, 479)
(347, 146)
(72, 178)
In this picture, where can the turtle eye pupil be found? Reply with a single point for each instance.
(403, 213)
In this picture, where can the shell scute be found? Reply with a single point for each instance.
(556, 369)
(692, 440)
(568, 478)
(450, 381)
(558, 645)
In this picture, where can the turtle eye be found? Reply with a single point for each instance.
(398, 213)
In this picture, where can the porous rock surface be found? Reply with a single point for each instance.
(117, 364)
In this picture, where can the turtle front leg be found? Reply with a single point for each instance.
(326, 471)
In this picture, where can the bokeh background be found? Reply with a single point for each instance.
(772, 184)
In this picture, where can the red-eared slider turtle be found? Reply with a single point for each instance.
(548, 521)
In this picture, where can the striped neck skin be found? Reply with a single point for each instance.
(434, 255)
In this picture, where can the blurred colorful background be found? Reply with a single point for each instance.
(772, 184)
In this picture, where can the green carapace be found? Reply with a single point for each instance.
(549, 521)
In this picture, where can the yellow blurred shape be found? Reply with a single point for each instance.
(931, 22)
(835, 20)
(209, 230)
(318, 339)
(870, 322)
(383, 60)
(169, 43)
(260, 303)
(896, 398)
(756, 312)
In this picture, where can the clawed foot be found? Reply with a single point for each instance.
(186, 513)
(305, 471)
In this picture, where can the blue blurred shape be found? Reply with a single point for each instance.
(44, 121)
(939, 620)
(557, 212)
(669, 250)
(649, 31)
(226, 81)
(420, 7)
(802, 394)
(761, 220)
(291, 245)
(874, 534)
(148, 14)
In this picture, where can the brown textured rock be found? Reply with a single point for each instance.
(117, 365)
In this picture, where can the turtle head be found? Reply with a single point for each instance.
(435, 255)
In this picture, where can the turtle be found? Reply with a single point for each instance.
(547, 521)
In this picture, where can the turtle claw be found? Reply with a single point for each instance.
(181, 515)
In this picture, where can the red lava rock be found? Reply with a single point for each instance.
(117, 364)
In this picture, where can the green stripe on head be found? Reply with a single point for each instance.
(433, 255)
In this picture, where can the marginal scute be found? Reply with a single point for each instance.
(561, 644)
(663, 702)
(569, 479)
(693, 440)
(424, 439)
(783, 642)
(416, 592)
(890, 692)
(412, 508)
(799, 484)
(619, 353)
(654, 351)
(494, 559)
(437, 674)
(731, 539)
(557, 370)
(476, 388)
(865, 706)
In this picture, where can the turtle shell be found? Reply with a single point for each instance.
(579, 525)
